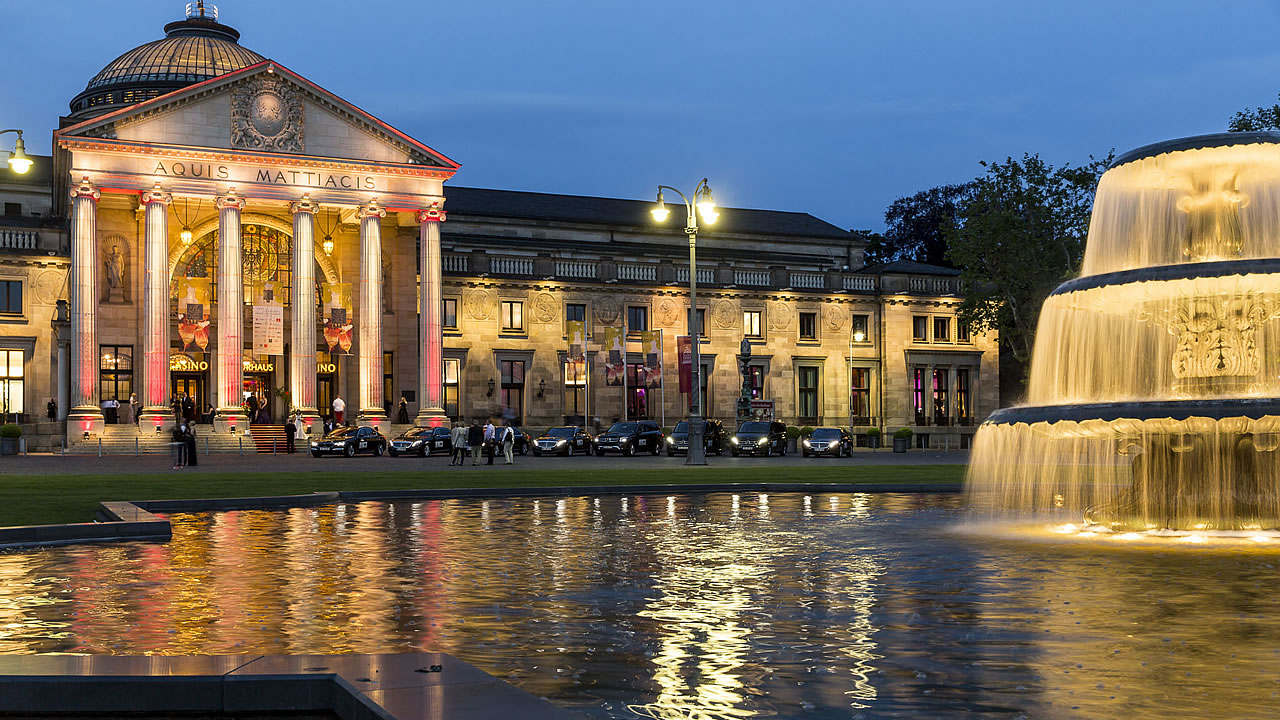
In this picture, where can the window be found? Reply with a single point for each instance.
(751, 324)
(115, 372)
(964, 412)
(860, 396)
(861, 329)
(449, 313)
(11, 372)
(808, 326)
(575, 393)
(637, 319)
(576, 312)
(11, 297)
(11, 209)
(940, 396)
(808, 395)
(755, 375)
(512, 316)
(637, 393)
(920, 328)
(390, 400)
(962, 331)
(512, 398)
(702, 323)
(917, 396)
(452, 368)
(942, 329)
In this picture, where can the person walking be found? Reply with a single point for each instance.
(189, 438)
(475, 439)
(490, 440)
(508, 442)
(290, 429)
(458, 441)
(339, 409)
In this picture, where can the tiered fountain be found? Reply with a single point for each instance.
(1154, 396)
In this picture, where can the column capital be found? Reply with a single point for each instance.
(371, 209)
(434, 213)
(156, 195)
(305, 205)
(85, 190)
(230, 201)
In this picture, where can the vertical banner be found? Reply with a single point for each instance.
(651, 349)
(194, 313)
(577, 341)
(684, 349)
(615, 362)
(338, 316)
(268, 321)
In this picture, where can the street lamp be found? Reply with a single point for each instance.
(18, 159)
(703, 203)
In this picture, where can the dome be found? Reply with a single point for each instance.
(192, 50)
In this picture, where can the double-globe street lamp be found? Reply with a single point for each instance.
(702, 203)
(18, 159)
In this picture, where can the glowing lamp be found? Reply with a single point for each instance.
(157, 428)
(327, 245)
(233, 429)
(18, 159)
(707, 206)
(859, 336)
(185, 235)
(660, 211)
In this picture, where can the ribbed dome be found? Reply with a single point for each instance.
(192, 51)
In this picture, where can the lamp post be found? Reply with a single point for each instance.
(703, 203)
(18, 159)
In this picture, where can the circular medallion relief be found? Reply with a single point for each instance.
(607, 310)
(544, 308)
(480, 304)
(724, 315)
(267, 113)
(48, 286)
(667, 312)
(780, 314)
(835, 318)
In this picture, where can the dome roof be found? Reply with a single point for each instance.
(192, 50)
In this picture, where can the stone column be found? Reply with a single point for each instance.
(85, 415)
(372, 412)
(302, 358)
(431, 350)
(64, 387)
(229, 355)
(155, 312)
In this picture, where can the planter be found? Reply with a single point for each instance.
(900, 445)
(792, 445)
(873, 441)
(9, 446)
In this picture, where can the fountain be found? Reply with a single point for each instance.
(1153, 401)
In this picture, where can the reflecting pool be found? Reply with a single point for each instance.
(691, 606)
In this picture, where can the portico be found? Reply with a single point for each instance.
(260, 147)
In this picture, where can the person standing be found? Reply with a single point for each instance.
(135, 407)
(490, 440)
(289, 431)
(402, 415)
(179, 447)
(458, 443)
(52, 410)
(508, 441)
(339, 409)
(475, 438)
(189, 438)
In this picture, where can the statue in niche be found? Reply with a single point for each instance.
(115, 267)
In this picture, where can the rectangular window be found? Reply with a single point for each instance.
(860, 396)
(575, 393)
(920, 328)
(942, 329)
(115, 372)
(941, 411)
(917, 396)
(449, 314)
(861, 329)
(962, 331)
(751, 325)
(637, 393)
(964, 411)
(637, 319)
(512, 398)
(452, 368)
(12, 209)
(575, 312)
(390, 400)
(512, 316)
(11, 297)
(11, 382)
(755, 374)
(702, 323)
(808, 395)
(808, 326)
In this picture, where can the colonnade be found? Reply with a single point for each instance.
(228, 352)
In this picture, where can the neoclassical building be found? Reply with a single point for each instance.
(214, 224)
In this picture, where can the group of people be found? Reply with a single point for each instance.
(184, 443)
(113, 411)
(487, 438)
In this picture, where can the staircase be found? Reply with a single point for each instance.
(130, 440)
(269, 438)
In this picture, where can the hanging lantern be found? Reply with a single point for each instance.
(327, 245)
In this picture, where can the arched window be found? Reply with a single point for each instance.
(265, 257)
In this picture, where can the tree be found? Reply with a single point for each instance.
(1260, 118)
(876, 249)
(1021, 232)
(918, 226)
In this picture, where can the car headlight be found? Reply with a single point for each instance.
(833, 443)
(670, 440)
(763, 441)
(315, 444)
(806, 443)
(560, 442)
(625, 440)
(733, 440)
(415, 443)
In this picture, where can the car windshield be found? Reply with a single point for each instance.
(561, 432)
(414, 434)
(624, 428)
(340, 433)
(754, 427)
(682, 427)
(826, 434)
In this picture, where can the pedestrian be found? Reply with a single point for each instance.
(179, 447)
(490, 440)
(289, 430)
(188, 408)
(458, 439)
(52, 410)
(475, 439)
(126, 417)
(189, 437)
(339, 409)
(402, 416)
(208, 414)
(508, 442)
(135, 407)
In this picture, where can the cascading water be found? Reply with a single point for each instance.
(1154, 395)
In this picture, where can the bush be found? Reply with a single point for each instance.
(873, 432)
(10, 431)
(806, 431)
(793, 432)
(903, 433)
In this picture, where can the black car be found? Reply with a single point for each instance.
(630, 438)
(421, 442)
(759, 437)
(522, 442)
(350, 440)
(712, 433)
(565, 440)
(828, 441)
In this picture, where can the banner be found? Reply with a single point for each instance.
(684, 349)
(577, 341)
(651, 350)
(338, 316)
(268, 329)
(194, 313)
(615, 362)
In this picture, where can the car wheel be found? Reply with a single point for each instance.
(315, 454)
(425, 451)
(654, 449)
(568, 451)
(782, 451)
(349, 450)
(524, 449)
(378, 450)
(630, 451)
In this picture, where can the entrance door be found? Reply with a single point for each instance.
(259, 384)
(192, 384)
(324, 394)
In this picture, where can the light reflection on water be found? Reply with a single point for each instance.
(711, 607)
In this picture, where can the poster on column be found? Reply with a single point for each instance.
(651, 350)
(684, 350)
(577, 341)
(337, 315)
(194, 313)
(268, 321)
(614, 362)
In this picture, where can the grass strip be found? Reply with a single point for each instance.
(45, 499)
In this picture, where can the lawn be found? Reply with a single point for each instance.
(42, 499)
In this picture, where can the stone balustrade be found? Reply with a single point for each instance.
(455, 263)
(19, 239)
(575, 269)
(860, 283)
(706, 276)
(511, 266)
(807, 280)
(638, 272)
(757, 278)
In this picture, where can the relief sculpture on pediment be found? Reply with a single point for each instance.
(266, 114)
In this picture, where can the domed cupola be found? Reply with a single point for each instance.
(192, 51)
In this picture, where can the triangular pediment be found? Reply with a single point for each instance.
(262, 108)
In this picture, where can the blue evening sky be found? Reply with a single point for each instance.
(834, 108)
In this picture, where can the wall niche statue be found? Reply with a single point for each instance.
(115, 271)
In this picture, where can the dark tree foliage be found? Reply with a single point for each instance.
(876, 249)
(1259, 118)
(918, 226)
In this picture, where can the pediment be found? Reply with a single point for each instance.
(262, 108)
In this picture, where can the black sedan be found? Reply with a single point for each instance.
(565, 440)
(629, 438)
(759, 437)
(421, 442)
(712, 434)
(348, 441)
(522, 442)
(828, 441)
